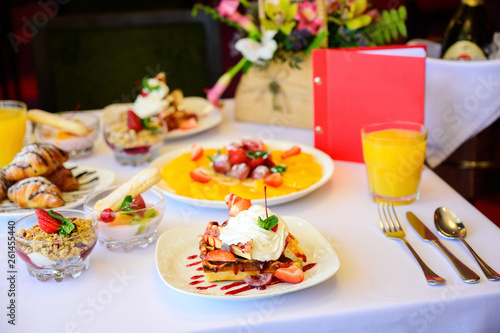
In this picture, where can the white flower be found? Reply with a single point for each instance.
(255, 51)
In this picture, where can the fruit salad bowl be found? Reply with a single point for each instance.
(55, 253)
(134, 225)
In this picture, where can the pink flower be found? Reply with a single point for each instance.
(214, 94)
(308, 18)
(228, 9)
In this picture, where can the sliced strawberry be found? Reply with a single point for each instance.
(240, 171)
(295, 150)
(237, 156)
(291, 274)
(236, 204)
(139, 203)
(189, 124)
(221, 163)
(274, 180)
(46, 222)
(220, 255)
(198, 175)
(269, 161)
(255, 162)
(260, 172)
(196, 152)
(133, 121)
(253, 144)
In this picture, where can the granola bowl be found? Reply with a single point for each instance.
(54, 255)
(129, 228)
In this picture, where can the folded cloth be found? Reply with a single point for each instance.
(461, 99)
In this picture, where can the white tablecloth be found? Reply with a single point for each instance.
(379, 287)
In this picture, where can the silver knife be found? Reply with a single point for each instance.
(465, 272)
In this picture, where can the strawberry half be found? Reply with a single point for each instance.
(189, 124)
(133, 121)
(295, 150)
(253, 144)
(220, 255)
(274, 180)
(198, 175)
(46, 222)
(237, 156)
(291, 274)
(236, 204)
(196, 152)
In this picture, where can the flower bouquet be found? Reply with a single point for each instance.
(275, 40)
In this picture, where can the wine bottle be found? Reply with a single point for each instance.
(468, 34)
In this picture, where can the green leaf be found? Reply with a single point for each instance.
(66, 227)
(257, 154)
(269, 223)
(127, 201)
(278, 168)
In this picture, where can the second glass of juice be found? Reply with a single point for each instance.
(12, 129)
(394, 155)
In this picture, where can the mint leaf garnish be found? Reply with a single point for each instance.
(127, 201)
(66, 227)
(269, 223)
(146, 85)
(278, 168)
(257, 154)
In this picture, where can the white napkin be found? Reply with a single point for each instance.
(461, 99)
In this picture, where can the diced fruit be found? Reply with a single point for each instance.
(189, 124)
(107, 215)
(236, 204)
(220, 255)
(274, 180)
(139, 203)
(253, 163)
(269, 161)
(260, 172)
(237, 156)
(133, 121)
(196, 152)
(46, 222)
(253, 144)
(240, 171)
(221, 163)
(291, 274)
(295, 150)
(258, 280)
(198, 175)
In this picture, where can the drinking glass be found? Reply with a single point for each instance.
(12, 129)
(394, 154)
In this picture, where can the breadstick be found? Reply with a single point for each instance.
(135, 186)
(72, 126)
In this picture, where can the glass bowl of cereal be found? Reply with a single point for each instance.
(133, 225)
(134, 140)
(56, 243)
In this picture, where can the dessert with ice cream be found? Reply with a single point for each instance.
(56, 243)
(128, 214)
(253, 245)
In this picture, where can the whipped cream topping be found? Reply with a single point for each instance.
(267, 244)
(153, 101)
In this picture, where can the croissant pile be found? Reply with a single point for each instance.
(36, 177)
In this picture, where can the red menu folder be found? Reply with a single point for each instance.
(355, 87)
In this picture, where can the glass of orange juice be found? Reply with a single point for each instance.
(394, 154)
(12, 129)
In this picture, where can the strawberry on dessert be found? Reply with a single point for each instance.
(253, 245)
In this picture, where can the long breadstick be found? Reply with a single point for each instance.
(135, 186)
(57, 121)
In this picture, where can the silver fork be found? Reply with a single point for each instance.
(392, 228)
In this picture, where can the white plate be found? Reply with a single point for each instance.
(176, 245)
(323, 159)
(208, 116)
(89, 178)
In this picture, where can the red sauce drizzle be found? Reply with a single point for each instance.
(199, 269)
(192, 257)
(196, 282)
(205, 288)
(237, 291)
(232, 285)
(193, 263)
(302, 256)
(196, 277)
(308, 267)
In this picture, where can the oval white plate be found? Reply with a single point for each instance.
(175, 246)
(89, 178)
(208, 116)
(323, 159)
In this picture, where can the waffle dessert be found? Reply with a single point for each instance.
(254, 242)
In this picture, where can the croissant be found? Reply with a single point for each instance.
(35, 192)
(4, 185)
(35, 159)
(63, 179)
